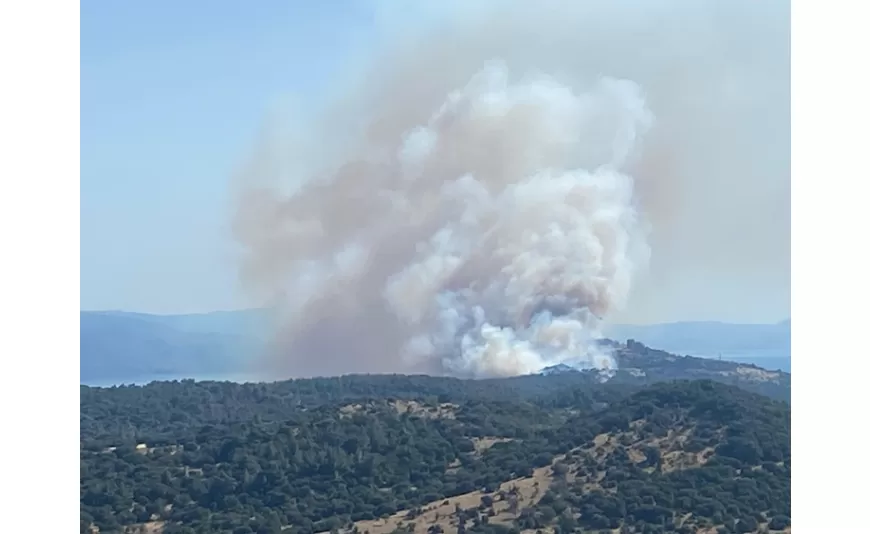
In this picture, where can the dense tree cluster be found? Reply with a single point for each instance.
(165, 411)
(315, 455)
(745, 484)
(134, 413)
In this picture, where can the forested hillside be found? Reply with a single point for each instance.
(566, 452)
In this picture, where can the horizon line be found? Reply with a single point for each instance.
(255, 309)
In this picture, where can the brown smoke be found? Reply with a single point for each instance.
(368, 259)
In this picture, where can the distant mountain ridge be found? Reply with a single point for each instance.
(127, 347)
(766, 345)
(639, 365)
(122, 347)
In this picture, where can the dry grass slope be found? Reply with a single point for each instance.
(582, 468)
(444, 410)
(526, 491)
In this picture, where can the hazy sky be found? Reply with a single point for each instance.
(174, 95)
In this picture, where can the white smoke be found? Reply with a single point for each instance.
(510, 205)
(552, 226)
(486, 216)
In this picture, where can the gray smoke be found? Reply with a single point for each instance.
(499, 184)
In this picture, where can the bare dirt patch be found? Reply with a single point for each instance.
(151, 527)
(510, 498)
(760, 375)
(350, 409)
(444, 410)
(673, 457)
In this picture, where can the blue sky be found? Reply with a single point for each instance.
(173, 95)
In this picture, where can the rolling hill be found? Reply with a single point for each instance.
(400, 454)
(765, 345)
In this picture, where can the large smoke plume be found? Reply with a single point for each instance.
(497, 186)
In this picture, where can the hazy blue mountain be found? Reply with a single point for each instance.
(121, 347)
(765, 345)
(641, 365)
(236, 322)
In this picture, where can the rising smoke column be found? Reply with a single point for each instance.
(487, 241)
(412, 226)
(537, 235)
